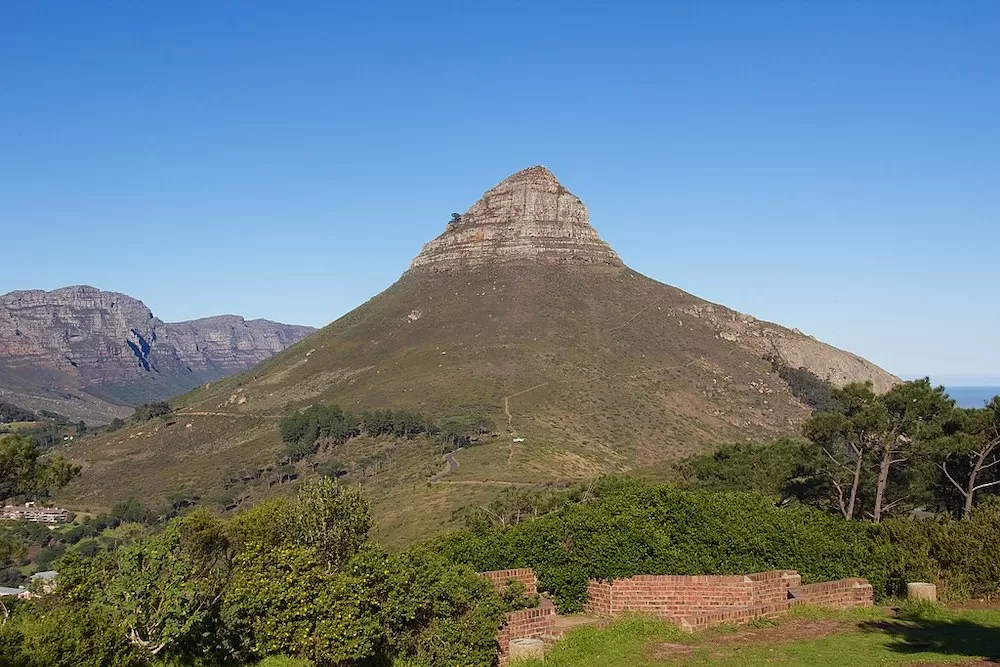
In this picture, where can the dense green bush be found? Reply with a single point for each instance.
(758, 467)
(630, 528)
(959, 556)
(292, 577)
(44, 634)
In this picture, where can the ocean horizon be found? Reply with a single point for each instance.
(972, 396)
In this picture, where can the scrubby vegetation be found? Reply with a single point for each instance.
(303, 431)
(11, 413)
(147, 411)
(806, 386)
(291, 577)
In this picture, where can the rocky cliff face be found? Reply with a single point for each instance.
(529, 216)
(85, 352)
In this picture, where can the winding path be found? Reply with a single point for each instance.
(449, 458)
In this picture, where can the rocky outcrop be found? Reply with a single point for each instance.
(84, 352)
(792, 347)
(530, 217)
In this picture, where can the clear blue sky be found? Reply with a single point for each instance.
(833, 166)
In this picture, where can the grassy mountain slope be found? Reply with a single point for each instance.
(599, 371)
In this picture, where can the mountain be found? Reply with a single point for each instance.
(520, 315)
(86, 353)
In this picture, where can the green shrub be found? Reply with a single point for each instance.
(147, 411)
(41, 635)
(959, 556)
(283, 661)
(632, 528)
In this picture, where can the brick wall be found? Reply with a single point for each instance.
(536, 623)
(598, 598)
(770, 587)
(526, 576)
(732, 615)
(693, 603)
(841, 594)
(703, 601)
(674, 596)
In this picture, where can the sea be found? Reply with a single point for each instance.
(972, 397)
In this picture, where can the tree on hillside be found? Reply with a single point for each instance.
(333, 519)
(148, 411)
(24, 473)
(914, 413)
(874, 438)
(843, 441)
(973, 446)
(813, 391)
(12, 413)
(757, 467)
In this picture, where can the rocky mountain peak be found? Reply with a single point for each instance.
(528, 217)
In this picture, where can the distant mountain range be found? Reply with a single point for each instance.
(89, 354)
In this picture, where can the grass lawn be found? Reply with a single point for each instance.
(806, 636)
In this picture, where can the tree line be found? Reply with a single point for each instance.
(302, 431)
(869, 455)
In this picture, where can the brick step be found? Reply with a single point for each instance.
(733, 615)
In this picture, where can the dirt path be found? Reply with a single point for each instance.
(452, 464)
(488, 482)
(510, 417)
(566, 622)
(225, 414)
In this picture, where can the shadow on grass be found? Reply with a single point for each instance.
(956, 637)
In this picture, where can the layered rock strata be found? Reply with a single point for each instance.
(77, 344)
(529, 217)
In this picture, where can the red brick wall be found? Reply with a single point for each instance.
(769, 587)
(598, 598)
(841, 594)
(526, 576)
(536, 623)
(674, 596)
(693, 603)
